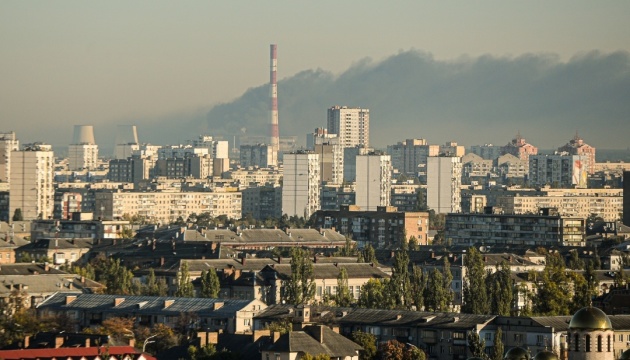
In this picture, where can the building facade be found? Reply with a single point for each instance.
(374, 175)
(31, 186)
(351, 124)
(410, 157)
(444, 179)
(381, 228)
(259, 155)
(8, 144)
(577, 146)
(501, 229)
(558, 170)
(301, 184)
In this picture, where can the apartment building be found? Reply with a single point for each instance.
(31, 184)
(374, 178)
(381, 228)
(167, 207)
(578, 203)
(444, 179)
(558, 170)
(352, 125)
(542, 229)
(301, 184)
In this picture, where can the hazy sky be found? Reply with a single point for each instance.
(78, 62)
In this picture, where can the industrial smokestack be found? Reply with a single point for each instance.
(83, 134)
(273, 133)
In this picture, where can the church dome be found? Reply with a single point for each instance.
(590, 318)
(546, 355)
(625, 355)
(516, 353)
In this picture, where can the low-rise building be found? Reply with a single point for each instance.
(228, 315)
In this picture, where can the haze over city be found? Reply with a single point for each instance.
(545, 69)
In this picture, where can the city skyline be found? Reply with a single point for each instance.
(118, 63)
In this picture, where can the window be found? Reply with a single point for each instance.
(488, 336)
(608, 343)
(577, 342)
(599, 343)
(587, 343)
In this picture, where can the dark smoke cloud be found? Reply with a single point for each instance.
(469, 100)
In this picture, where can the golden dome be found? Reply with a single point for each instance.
(625, 355)
(546, 355)
(590, 318)
(516, 353)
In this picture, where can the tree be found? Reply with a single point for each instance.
(418, 284)
(17, 215)
(348, 249)
(368, 255)
(300, 288)
(367, 342)
(575, 262)
(447, 285)
(281, 326)
(164, 339)
(116, 277)
(184, 285)
(395, 350)
(497, 349)
(210, 285)
(500, 290)
(476, 345)
(553, 287)
(373, 294)
(343, 297)
(399, 283)
(154, 286)
(413, 243)
(621, 279)
(434, 292)
(475, 295)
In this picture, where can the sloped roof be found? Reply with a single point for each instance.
(331, 271)
(46, 243)
(46, 284)
(78, 352)
(25, 269)
(147, 304)
(332, 344)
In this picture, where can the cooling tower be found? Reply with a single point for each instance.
(83, 134)
(126, 134)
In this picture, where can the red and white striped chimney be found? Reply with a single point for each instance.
(273, 80)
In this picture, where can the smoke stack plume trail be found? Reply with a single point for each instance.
(273, 80)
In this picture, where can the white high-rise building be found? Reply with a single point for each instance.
(8, 144)
(31, 186)
(300, 184)
(444, 179)
(374, 178)
(330, 159)
(351, 124)
(260, 155)
(559, 170)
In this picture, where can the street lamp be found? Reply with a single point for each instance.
(148, 342)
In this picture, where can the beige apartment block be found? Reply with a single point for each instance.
(31, 185)
(166, 207)
(578, 203)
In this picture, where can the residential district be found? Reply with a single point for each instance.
(258, 249)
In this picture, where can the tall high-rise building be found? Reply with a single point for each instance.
(558, 170)
(577, 146)
(330, 159)
(486, 151)
(300, 184)
(31, 186)
(351, 124)
(374, 172)
(83, 152)
(8, 144)
(444, 179)
(410, 157)
(350, 161)
(260, 155)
